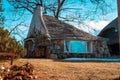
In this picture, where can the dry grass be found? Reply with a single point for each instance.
(47, 69)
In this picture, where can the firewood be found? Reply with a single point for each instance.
(24, 72)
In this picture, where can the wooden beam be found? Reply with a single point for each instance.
(8, 55)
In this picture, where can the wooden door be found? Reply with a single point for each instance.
(40, 52)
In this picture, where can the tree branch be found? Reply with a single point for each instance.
(60, 4)
(15, 28)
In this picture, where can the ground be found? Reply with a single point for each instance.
(47, 69)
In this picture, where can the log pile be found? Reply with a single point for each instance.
(24, 72)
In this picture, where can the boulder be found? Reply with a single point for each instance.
(53, 56)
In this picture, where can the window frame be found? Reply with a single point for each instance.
(88, 47)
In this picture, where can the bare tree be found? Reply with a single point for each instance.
(66, 10)
(55, 7)
(0, 5)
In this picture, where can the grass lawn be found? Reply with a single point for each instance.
(47, 69)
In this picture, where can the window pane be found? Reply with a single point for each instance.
(66, 47)
(78, 46)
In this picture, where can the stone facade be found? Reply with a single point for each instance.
(47, 35)
(100, 49)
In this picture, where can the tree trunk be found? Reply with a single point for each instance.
(0, 5)
(60, 4)
(118, 3)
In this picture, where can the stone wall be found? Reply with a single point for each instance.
(57, 46)
(100, 49)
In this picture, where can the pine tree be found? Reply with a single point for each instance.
(10, 45)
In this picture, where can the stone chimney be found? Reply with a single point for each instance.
(37, 26)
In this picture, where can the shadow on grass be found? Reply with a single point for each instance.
(99, 61)
(61, 60)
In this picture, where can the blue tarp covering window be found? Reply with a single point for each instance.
(78, 46)
(74, 46)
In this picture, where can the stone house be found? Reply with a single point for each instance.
(51, 38)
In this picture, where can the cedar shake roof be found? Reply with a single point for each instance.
(60, 30)
(47, 26)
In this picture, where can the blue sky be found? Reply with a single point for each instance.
(98, 22)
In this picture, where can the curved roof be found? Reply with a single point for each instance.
(113, 24)
(42, 25)
(110, 32)
(60, 30)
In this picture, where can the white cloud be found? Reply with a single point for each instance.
(92, 27)
(97, 25)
